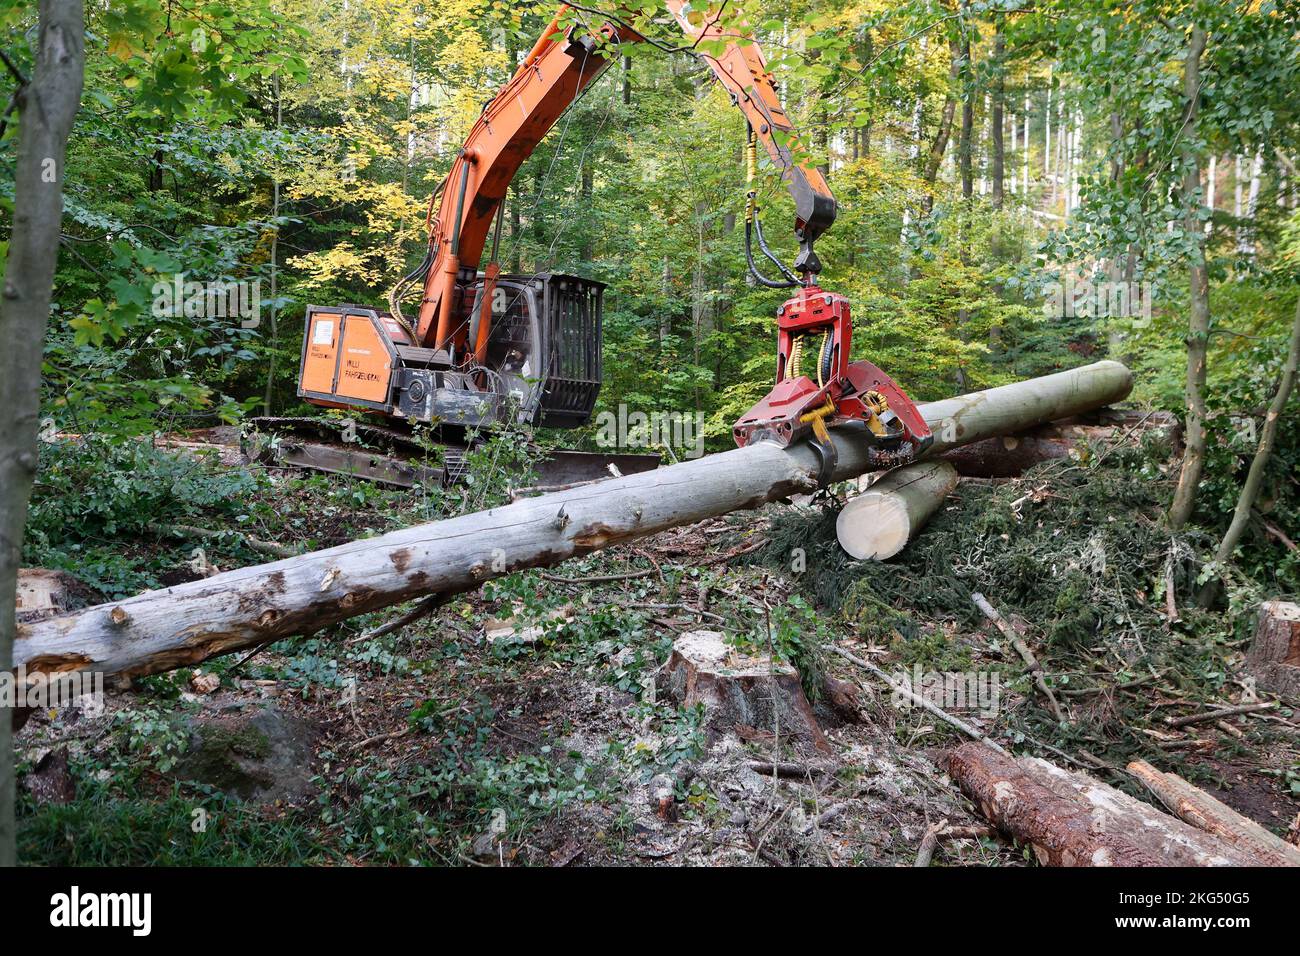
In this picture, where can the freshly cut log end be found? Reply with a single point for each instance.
(42, 593)
(739, 690)
(879, 523)
(1195, 806)
(1274, 655)
(1072, 820)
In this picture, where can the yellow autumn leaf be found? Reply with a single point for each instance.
(120, 46)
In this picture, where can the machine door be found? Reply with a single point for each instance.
(513, 351)
(571, 326)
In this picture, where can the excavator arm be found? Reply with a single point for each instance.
(355, 357)
(563, 63)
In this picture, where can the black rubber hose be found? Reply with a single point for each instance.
(762, 244)
(753, 268)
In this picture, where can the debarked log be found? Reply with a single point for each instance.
(183, 625)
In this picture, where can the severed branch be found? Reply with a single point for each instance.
(1221, 712)
(1035, 669)
(917, 699)
(256, 544)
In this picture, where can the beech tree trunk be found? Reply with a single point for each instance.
(941, 137)
(1069, 819)
(161, 630)
(46, 105)
(967, 117)
(995, 115)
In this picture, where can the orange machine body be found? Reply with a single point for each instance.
(348, 357)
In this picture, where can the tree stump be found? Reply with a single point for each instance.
(42, 593)
(739, 689)
(1274, 655)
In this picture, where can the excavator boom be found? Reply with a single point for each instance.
(563, 63)
(470, 356)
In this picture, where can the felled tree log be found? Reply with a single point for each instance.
(43, 593)
(180, 626)
(738, 689)
(1274, 655)
(878, 523)
(1193, 805)
(1007, 456)
(1072, 820)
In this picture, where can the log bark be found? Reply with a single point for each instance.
(1193, 805)
(1005, 457)
(1274, 655)
(878, 523)
(1072, 820)
(180, 626)
(1198, 319)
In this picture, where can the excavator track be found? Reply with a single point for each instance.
(394, 456)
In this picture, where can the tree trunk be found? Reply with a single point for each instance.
(1198, 322)
(183, 625)
(1072, 820)
(1195, 806)
(588, 184)
(940, 145)
(1259, 464)
(1246, 231)
(878, 523)
(967, 181)
(1024, 158)
(47, 105)
(995, 114)
(1274, 656)
(967, 117)
(268, 398)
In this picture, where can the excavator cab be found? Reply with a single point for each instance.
(542, 365)
(544, 348)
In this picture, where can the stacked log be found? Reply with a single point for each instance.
(1070, 819)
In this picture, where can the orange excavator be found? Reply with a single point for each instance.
(484, 348)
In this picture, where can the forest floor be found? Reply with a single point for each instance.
(522, 725)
